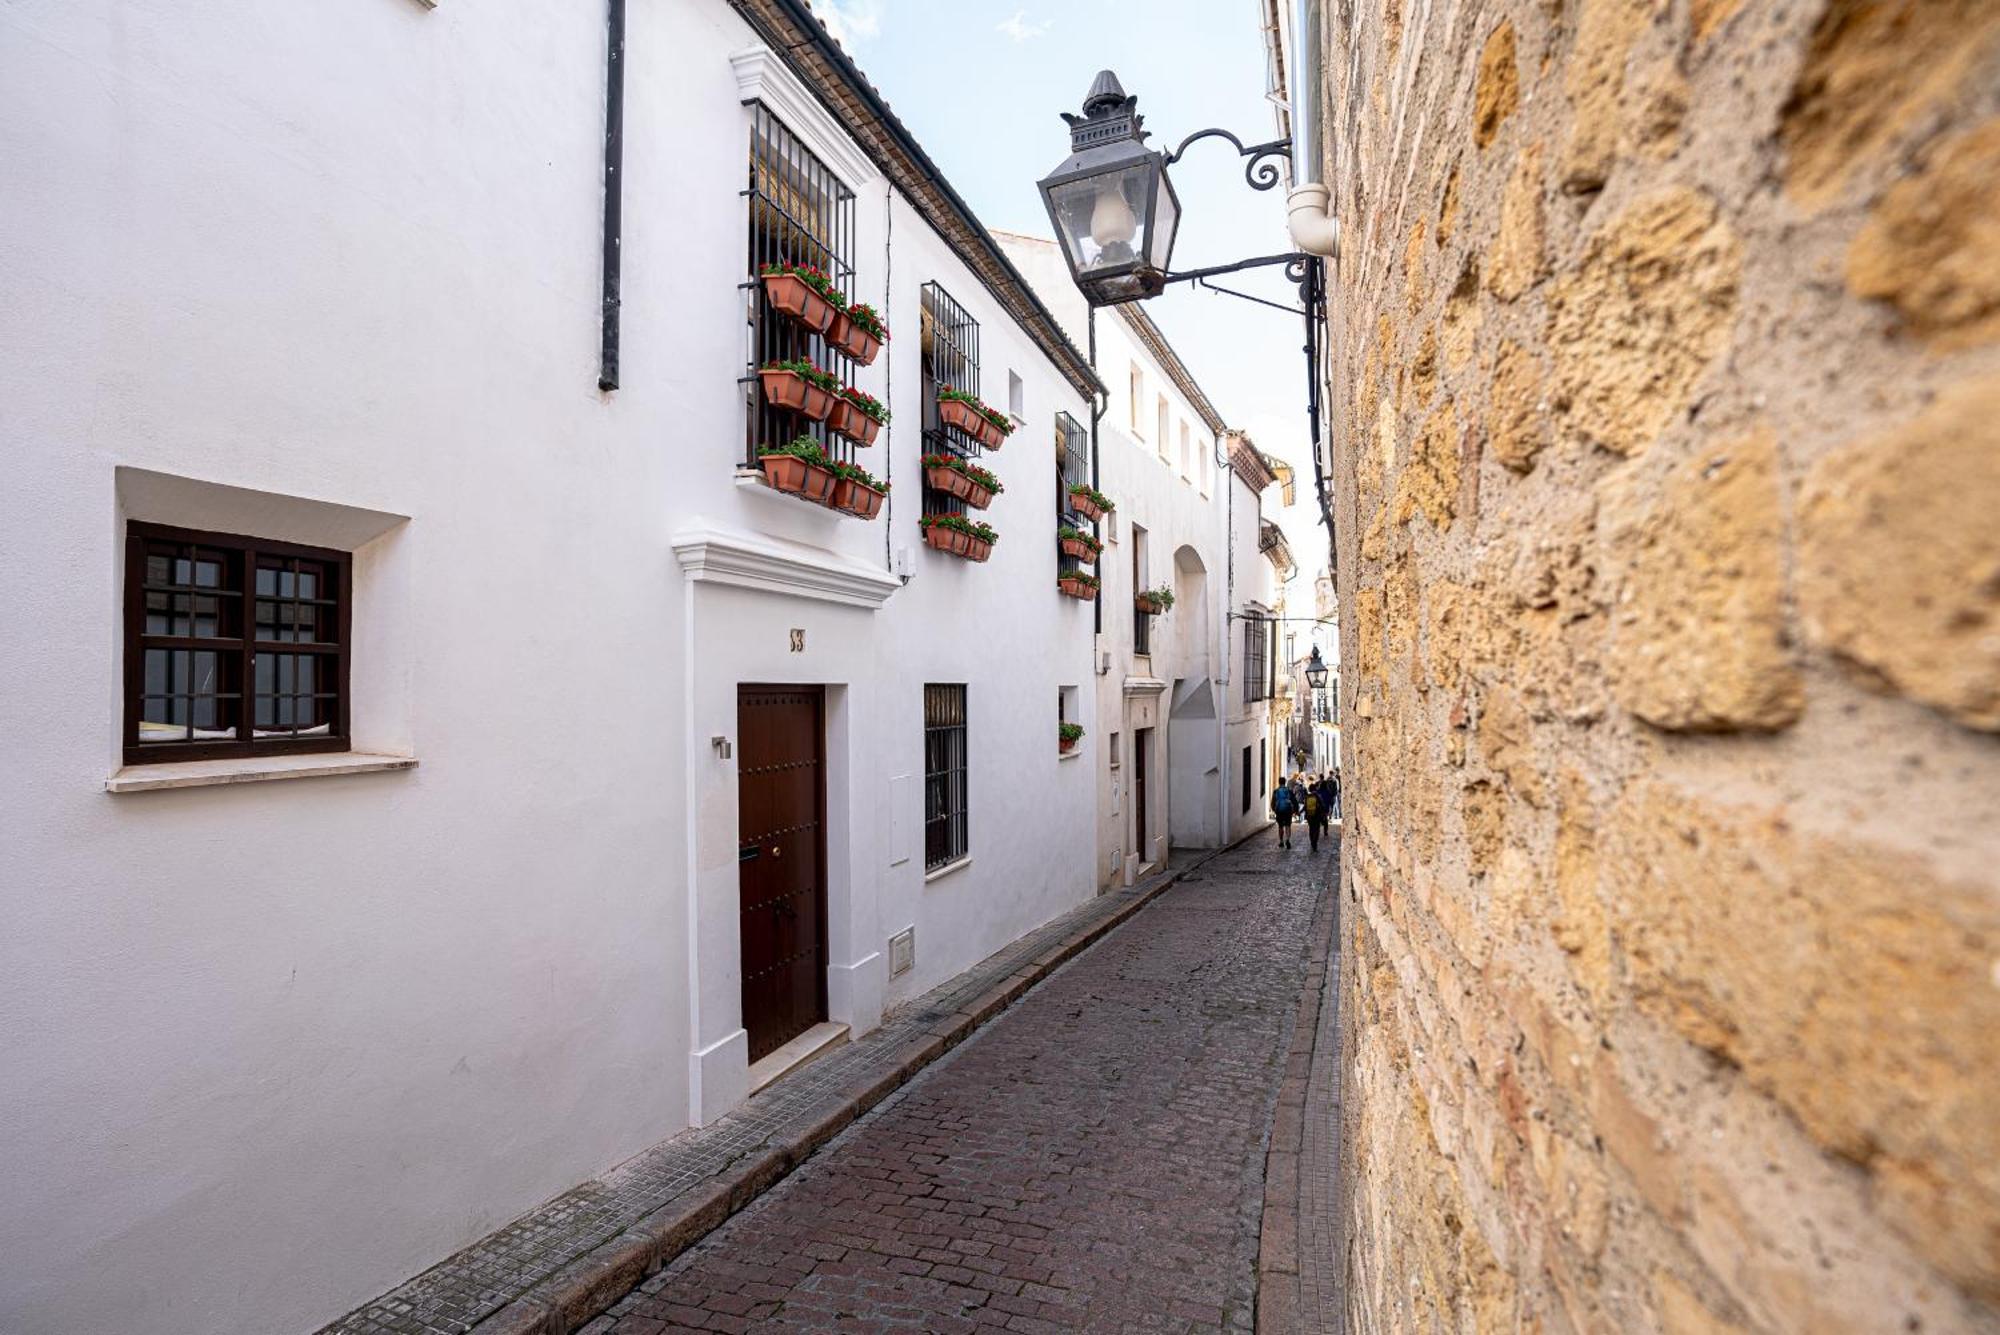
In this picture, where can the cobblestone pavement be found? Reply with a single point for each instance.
(1093, 1159)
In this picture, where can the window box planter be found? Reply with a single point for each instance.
(790, 290)
(1153, 601)
(1078, 585)
(857, 416)
(974, 418)
(1079, 544)
(858, 332)
(858, 498)
(959, 536)
(959, 413)
(788, 386)
(798, 469)
(1067, 736)
(1089, 502)
(955, 477)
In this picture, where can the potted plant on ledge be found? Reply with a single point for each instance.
(804, 293)
(1067, 736)
(1075, 542)
(857, 415)
(800, 386)
(860, 332)
(858, 491)
(1154, 601)
(959, 536)
(970, 414)
(1088, 501)
(1078, 585)
(961, 478)
(799, 469)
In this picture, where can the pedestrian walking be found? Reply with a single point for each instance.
(1283, 808)
(1333, 792)
(1315, 814)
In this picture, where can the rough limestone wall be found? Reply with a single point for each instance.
(1666, 395)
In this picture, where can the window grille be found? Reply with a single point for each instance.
(945, 830)
(1256, 658)
(1072, 467)
(233, 646)
(950, 361)
(800, 213)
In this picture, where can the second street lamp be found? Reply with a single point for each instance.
(1316, 671)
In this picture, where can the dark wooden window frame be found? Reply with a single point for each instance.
(947, 765)
(246, 646)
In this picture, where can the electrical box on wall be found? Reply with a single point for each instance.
(902, 952)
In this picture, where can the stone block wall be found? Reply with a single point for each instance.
(1665, 393)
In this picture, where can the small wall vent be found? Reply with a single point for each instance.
(902, 952)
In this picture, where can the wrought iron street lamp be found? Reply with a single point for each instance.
(1316, 671)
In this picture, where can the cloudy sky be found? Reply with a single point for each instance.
(981, 83)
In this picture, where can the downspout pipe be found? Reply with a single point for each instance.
(614, 190)
(1309, 207)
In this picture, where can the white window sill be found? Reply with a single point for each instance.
(937, 873)
(251, 769)
(1074, 753)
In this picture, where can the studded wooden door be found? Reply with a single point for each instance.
(781, 860)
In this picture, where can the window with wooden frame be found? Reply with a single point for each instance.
(1256, 658)
(234, 646)
(946, 831)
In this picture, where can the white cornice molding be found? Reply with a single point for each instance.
(776, 565)
(1144, 685)
(762, 77)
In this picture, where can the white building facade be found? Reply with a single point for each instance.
(434, 777)
(1185, 752)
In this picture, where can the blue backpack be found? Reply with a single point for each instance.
(1282, 803)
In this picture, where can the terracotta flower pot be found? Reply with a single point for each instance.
(1086, 507)
(848, 419)
(958, 413)
(954, 483)
(976, 550)
(853, 340)
(1065, 744)
(859, 501)
(1080, 549)
(1147, 603)
(789, 293)
(1077, 588)
(991, 436)
(945, 539)
(794, 476)
(789, 389)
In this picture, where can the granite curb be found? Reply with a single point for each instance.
(570, 1298)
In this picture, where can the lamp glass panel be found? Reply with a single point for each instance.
(1166, 216)
(1103, 217)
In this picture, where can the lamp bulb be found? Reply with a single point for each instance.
(1111, 220)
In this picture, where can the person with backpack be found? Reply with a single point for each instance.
(1314, 810)
(1283, 808)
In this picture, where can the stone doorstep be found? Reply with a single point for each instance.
(588, 1286)
(817, 1041)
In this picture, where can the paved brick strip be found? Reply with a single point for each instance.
(552, 1270)
(1094, 1159)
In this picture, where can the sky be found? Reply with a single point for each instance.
(982, 83)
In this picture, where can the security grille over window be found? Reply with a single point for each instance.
(945, 834)
(950, 361)
(800, 213)
(234, 646)
(1256, 658)
(1072, 467)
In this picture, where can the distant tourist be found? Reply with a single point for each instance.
(1283, 809)
(1315, 810)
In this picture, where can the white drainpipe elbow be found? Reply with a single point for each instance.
(1313, 227)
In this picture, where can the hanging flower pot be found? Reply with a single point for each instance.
(859, 332)
(798, 469)
(1088, 501)
(857, 491)
(803, 293)
(962, 414)
(1067, 736)
(1154, 601)
(1078, 585)
(1077, 543)
(995, 430)
(857, 416)
(799, 386)
(961, 478)
(960, 536)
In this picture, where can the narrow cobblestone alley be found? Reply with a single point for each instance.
(1094, 1159)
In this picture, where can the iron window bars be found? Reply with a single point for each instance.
(800, 213)
(1257, 658)
(946, 837)
(950, 361)
(234, 646)
(1072, 467)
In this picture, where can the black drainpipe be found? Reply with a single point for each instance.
(614, 187)
(1099, 403)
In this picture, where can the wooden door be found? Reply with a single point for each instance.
(1142, 760)
(781, 860)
